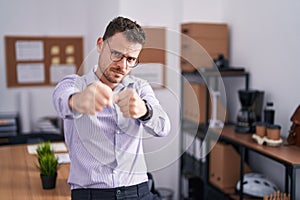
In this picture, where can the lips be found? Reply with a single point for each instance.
(118, 71)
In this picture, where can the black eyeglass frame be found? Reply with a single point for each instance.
(123, 56)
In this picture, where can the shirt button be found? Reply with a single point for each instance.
(118, 192)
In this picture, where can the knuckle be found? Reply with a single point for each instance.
(130, 91)
(133, 111)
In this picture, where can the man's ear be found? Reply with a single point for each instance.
(99, 44)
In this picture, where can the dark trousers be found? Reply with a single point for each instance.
(140, 192)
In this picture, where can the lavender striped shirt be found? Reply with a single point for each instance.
(106, 149)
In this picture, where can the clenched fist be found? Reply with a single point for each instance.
(92, 99)
(130, 103)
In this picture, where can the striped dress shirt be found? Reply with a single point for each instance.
(106, 149)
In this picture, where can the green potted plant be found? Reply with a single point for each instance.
(44, 148)
(48, 170)
(48, 165)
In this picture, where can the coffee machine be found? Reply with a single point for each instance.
(250, 112)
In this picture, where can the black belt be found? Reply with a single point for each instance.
(133, 192)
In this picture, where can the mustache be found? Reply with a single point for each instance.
(118, 70)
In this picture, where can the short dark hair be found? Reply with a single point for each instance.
(132, 30)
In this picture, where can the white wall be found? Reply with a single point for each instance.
(201, 11)
(265, 38)
(99, 15)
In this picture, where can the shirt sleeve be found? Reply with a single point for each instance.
(159, 123)
(61, 94)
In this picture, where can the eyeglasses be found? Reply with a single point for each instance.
(117, 56)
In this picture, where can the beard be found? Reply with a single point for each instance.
(114, 75)
(110, 72)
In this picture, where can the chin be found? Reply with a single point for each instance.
(117, 79)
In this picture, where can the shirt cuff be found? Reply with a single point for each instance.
(67, 111)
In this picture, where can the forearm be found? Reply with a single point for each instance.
(159, 123)
(61, 96)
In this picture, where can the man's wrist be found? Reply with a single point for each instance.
(149, 112)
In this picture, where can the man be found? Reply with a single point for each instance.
(105, 113)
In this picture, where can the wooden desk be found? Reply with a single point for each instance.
(20, 177)
(289, 156)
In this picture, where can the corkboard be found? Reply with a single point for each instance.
(39, 55)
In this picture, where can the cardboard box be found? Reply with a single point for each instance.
(154, 50)
(215, 30)
(194, 56)
(186, 66)
(194, 104)
(224, 167)
(201, 43)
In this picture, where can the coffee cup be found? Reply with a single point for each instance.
(260, 128)
(273, 132)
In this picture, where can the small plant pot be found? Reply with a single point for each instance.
(273, 132)
(48, 182)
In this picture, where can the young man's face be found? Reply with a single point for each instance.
(122, 52)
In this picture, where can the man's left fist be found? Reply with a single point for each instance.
(130, 103)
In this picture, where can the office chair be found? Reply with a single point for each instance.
(152, 187)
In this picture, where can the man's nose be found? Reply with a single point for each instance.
(123, 63)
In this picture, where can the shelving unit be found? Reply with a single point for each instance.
(194, 176)
(201, 43)
(194, 183)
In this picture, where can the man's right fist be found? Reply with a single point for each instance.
(92, 99)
